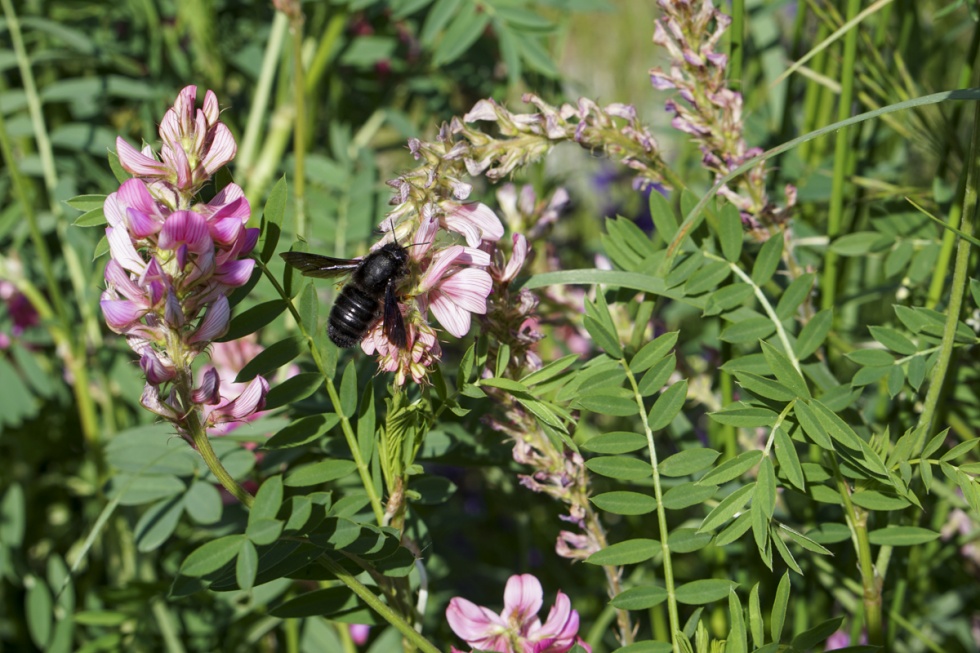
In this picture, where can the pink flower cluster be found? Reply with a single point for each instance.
(173, 262)
(690, 31)
(517, 629)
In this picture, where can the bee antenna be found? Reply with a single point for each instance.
(394, 236)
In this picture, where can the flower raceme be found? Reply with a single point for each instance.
(174, 261)
(517, 629)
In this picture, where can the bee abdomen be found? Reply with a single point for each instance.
(351, 316)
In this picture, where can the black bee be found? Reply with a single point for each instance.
(372, 279)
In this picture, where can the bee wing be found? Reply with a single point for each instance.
(394, 324)
(317, 265)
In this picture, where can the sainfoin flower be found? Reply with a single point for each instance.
(517, 629)
(174, 262)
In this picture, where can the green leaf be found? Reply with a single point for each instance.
(902, 536)
(337, 603)
(247, 566)
(748, 330)
(309, 305)
(253, 319)
(784, 371)
(506, 384)
(730, 232)
(727, 508)
(618, 402)
(615, 443)
(707, 278)
(432, 490)
(604, 337)
(137, 489)
(858, 243)
(202, 502)
(794, 295)
(779, 605)
(270, 359)
(784, 552)
(767, 261)
(440, 14)
(727, 298)
(819, 633)
(764, 497)
(737, 641)
(735, 530)
(639, 598)
(348, 391)
(271, 223)
(789, 460)
(687, 494)
(624, 468)
(321, 472)
(894, 339)
(292, 390)
(756, 623)
(462, 32)
(700, 592)
(871, 357)
(549, 371)
(960, 450)
(731, 469)
(689, 461)
(668, 405)
(268, 500)
(814, 333)
(302, 431)
(764, 387)
(804, 541)
(687, 540)
(629, 552)
(655, 378)
(625, 503)
(874, 500)
(738, 414)
(263, 532)
(86, 202)
(94, 218)
(663, 216)
(212, 556)
(812, 426)
(158, 523)
(39, 610)
(653, 352)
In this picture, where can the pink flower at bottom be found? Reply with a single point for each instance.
(517, 629)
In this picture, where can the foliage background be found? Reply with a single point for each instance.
(375, 74)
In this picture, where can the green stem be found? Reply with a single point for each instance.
(675, 624)
(263, 90)
(377, 605)
(767, 307)
(961, 268)
(835, 217)
(857, 520)
(199, 436)
(736, 45)
(299, 126)
(362, 468)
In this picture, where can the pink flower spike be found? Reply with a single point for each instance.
(120, 314)
(137, 163)
(517, 258)
(482, 110)
(214, 323)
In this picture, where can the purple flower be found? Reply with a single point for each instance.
(517, 629)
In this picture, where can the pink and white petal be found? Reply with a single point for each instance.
(115, 212)
(119, 280)
(214, 323)
(523, 598)
(474, 624)
(482, 110)
(211, 109)
(186, 227)
(209, 392)
(176, 159)
(227, 195)
(136, 162)
(469, 289)
(460, 225)
(482, 216)
(473, 256)
(440, 263)
(235, 273)
(517, 258)
(121, 314)
(225, 231)
(134, 194)
(250, 240)
(222, 150)
(562, 622)
(140, 224)
(251, 400)
(453, 318)
(121, 249)
(154, 369)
